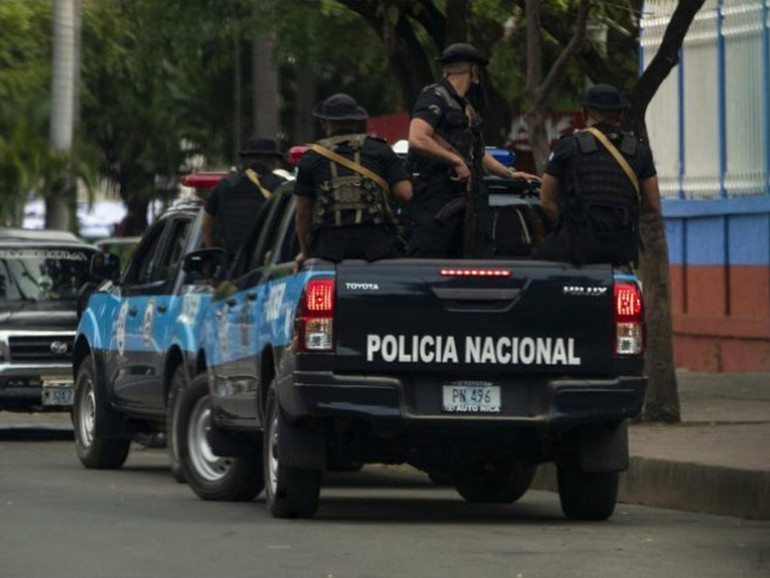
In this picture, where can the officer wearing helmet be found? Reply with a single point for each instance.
(233, 204)
(344, 188)
(597, 183)
(447, 155)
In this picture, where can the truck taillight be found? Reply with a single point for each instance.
(315, 317)
(629, 319)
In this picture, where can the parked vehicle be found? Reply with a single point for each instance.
(41, 273)
(473, 371)
(135, 348)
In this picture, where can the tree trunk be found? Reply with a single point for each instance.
(662, 402)
(57, 212)
(304, 100)
(237, 93)
(265, 78)
(539, 90)
(457, 15)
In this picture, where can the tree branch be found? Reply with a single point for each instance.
(560, 66)
(667, 56)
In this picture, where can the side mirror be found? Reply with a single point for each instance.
(205, 262)
(105, 266)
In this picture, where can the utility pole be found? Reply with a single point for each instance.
(57, 207)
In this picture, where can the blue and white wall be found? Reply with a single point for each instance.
(709, 125)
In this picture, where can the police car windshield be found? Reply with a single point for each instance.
(42, 274)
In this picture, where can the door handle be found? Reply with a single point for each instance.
(132, 312)
(231, 302)
(251, 295)
(162, 308)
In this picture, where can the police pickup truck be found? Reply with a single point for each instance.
(472, 371)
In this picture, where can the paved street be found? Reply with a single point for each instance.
(58, 519)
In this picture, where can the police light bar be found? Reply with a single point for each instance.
(295, 153)
(204, 181)
(476, 272)
(503, 156)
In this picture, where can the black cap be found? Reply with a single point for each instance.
(603, 97)
(340, 107)
(461, 52)
(261, 146)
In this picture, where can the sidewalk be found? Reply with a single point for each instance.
(717, 461)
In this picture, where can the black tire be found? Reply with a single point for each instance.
(177, 386)
(586, 495)
(441, 478)
(494, 483)
(94, 451)
(289, 492)
(232, 479)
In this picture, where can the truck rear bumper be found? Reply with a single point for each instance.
(524, 401)
(25, 387)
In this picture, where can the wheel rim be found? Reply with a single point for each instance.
(208, 465)
(273, 456)
(87, 413)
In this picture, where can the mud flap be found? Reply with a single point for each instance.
(230, 444)
(605, 451)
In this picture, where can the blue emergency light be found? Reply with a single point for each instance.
(503, 156)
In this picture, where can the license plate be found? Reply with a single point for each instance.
(61, 395)
(471, 397)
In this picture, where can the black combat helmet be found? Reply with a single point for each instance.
(340, 107)
(603, 97)
(461, 52)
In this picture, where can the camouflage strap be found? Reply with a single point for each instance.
(353, 166)
(251, 174)
(599, 135)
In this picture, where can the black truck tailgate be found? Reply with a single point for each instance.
(473, 317)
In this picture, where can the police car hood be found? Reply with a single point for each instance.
(472, 317)
(39, 316)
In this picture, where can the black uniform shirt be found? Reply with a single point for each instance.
(434, 109)
(315, 170)
(237, 180)
(564, 157)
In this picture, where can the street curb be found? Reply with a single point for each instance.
(685, 486)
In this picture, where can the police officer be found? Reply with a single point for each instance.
(344, 188)
(235, 201)
(596, 183)
(446, 150)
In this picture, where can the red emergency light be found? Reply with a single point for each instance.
(204, 181)
(476, 272)
(295, 153)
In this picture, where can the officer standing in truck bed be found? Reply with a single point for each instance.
(344, 189)
(446, 151)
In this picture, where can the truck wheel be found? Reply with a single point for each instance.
(289, 492)
(178, 383)
(587, 495)
(211, 477)
(94, 451)
(487, 483)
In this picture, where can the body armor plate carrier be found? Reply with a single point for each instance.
(356, 194)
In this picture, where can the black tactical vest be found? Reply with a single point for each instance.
(601, 206)
(354, 194)
(461, 127)
(238, 207)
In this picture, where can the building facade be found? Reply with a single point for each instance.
(709, 126)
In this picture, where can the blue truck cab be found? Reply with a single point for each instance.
(474, 371)
(136, 344)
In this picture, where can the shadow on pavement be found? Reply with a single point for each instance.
(33, 434)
